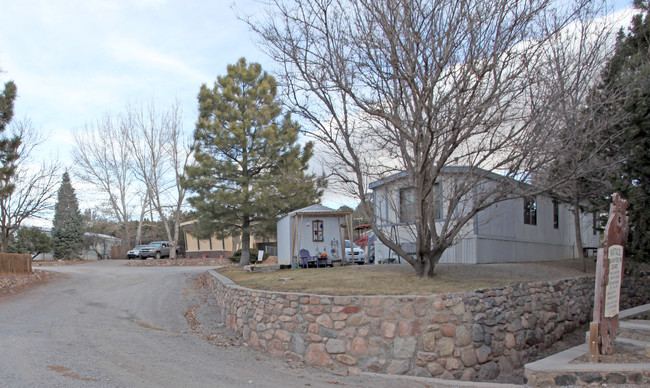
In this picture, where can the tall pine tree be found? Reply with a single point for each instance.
(68, 228)
(250, 168)
(8, 146)
(628, 75)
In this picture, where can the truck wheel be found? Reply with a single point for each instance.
(157, 255)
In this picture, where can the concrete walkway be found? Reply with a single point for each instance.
(561, 369)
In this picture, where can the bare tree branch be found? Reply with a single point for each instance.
(428, 88)
(161, 155)
(102, 160)
(34, 185)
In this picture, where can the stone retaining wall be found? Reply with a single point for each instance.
(466, 336)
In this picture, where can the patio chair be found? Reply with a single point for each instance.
(304, 258)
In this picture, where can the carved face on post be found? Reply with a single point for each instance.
(617, 228)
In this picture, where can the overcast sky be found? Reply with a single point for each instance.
(75, 60)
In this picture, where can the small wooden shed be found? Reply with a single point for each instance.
(317, 228)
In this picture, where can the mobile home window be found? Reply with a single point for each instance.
(406, 205)
(556, 214)
(317, 230)
(530, 211)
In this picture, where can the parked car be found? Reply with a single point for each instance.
(156, 249)
(367, 243)
(134, 253)
(354, 254)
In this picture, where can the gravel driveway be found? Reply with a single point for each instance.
(108, 325)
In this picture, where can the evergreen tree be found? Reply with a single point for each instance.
(628, 74)
(31, 240)
(8, 146)
(250, 168)
(68, 230)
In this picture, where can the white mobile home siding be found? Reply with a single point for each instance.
(497, 234)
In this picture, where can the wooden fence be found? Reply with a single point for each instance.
(119, 252)
(15, 264)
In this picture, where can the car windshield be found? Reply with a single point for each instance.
(139, 247)
(347, 244)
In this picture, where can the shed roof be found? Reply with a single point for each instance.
(318, 210)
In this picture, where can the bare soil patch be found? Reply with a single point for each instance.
(401, 279)
(56, 263)
(67, 372)
(202, 318)
(620, 355)
(11, 284)
(568, 341)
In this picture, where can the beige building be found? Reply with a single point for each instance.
(216, 248)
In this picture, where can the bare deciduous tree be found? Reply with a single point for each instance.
(161, 156)
(573, 62)
(420, 86)
(103, 160)
(137, 160)
(35, 186)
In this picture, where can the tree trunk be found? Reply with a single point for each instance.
(428, 263)
(5, 240)
(126, 237)
(175, 233)
(143, 213)
(578, 232)
(138, 233)
(245, 242)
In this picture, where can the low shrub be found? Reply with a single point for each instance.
(253, 256)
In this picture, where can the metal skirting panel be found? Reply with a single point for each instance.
(507, 251)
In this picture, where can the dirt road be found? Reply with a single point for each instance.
(108, 325)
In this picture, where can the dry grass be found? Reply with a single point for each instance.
(401, 279)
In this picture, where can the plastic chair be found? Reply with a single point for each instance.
(304, 258)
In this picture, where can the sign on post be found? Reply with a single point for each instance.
(609, 274)
(613, 288)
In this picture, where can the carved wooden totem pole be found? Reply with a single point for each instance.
(609, 274)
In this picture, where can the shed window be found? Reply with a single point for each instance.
(530, 211)
(556, 214)
(317, 230)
